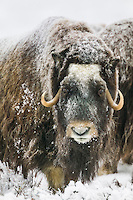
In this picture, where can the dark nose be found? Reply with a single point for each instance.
(80, 131)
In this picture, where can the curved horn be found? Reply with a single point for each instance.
(112, 103)
(51, 102)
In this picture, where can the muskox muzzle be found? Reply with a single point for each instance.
(81, 131)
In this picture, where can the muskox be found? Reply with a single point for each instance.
(119, 38)
(59, 87)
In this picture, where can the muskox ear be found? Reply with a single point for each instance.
(55, 72)
(108, 69)
(61, 64)
(57, 58)
(58, 64)
(115, 61)
(108, 73)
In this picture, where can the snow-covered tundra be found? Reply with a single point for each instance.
(59, 87)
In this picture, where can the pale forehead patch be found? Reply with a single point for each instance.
(84, 71)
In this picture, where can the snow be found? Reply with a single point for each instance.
(87, 71)
(107, 187)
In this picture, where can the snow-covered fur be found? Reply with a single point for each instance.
(34, 136)
(119, 38)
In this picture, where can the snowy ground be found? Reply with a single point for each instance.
(108, 187)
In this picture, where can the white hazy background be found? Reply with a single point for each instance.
(18, 17)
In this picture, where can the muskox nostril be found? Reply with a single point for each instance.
(80, 130)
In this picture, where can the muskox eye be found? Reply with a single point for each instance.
(65, 91)
(101, 92)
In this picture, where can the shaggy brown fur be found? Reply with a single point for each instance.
(34, 136)
(119, 38)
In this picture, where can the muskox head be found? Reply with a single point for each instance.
(84, 102)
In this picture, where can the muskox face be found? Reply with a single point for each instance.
(83, 103)
(82, 108)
